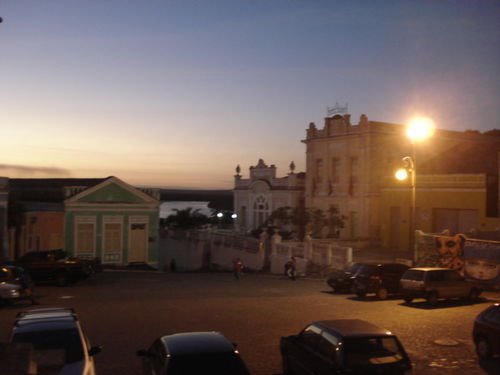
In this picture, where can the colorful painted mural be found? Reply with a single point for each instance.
(474, 259)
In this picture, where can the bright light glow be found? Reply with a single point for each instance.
(420, 128)
(220, 214)
(234, 216)
(401, 174)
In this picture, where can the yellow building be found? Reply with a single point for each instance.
(454, 202)
(348, 166)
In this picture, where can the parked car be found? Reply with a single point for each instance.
(433, 283)
(379, 278)
(56, 266)
(15, 284)
(60, 345)
(486, 332)
(192, 353)
(342, 281)
(347, 346)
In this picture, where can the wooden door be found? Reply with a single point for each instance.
(138, 243)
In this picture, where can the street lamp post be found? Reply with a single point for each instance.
(418, 129)
(403, 174)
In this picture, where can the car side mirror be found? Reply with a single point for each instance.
(95, 350)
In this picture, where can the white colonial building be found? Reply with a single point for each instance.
(256, 197)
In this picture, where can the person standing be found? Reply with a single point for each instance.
(292, 268)
(237, 268)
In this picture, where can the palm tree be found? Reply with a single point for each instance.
(187, 218)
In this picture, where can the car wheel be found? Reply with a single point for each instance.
(382, 293)
(474, 295)
(61, 279)
(432, 298)
(408, 299)
(483, 348)
(334, 290)
(361, 294)
(286, 366)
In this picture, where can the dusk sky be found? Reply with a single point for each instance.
(177, 93)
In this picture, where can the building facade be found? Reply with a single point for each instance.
(345, 166)
(454, 203)
(43, 227)
(256, 197)
(112, 221)
(105, 218)
(348, 166)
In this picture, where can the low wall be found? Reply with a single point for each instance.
(187, 255)
(223, 258)
(194, 251)
(218, 251)
(319, 253)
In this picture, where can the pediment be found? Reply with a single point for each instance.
(113, 190)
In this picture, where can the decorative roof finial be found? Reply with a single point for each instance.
(337, 110)
(238, 170)
(292, 167)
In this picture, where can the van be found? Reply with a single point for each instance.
(433, 283)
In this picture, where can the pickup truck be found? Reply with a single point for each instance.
(56, 266)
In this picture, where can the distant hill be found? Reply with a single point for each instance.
(218, 199)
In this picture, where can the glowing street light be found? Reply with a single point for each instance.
(402, 174)
(418, 129)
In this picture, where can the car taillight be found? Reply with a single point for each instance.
(375, 278)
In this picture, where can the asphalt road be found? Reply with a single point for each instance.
(125, 311)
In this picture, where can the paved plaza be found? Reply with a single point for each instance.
(125, 311)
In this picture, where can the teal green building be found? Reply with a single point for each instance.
(113, 221)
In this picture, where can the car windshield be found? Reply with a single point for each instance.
(414, 275)
(354, 268)
(366, 270)
(63, 346)
(372, 351)
(213, 363)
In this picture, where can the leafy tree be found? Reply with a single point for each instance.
(319, 223)
(187, 218)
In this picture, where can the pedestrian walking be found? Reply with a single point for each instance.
(237, 268)
(173, 265)
(291, 268)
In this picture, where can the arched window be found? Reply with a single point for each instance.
(260, 211)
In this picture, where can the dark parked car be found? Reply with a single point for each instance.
(379, 278)
(486, 332)
(347, 346)
(342, 281)
(56, 266)
(433, 283)
(192, 353)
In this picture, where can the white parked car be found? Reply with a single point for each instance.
(59, 344)
(9, 292)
